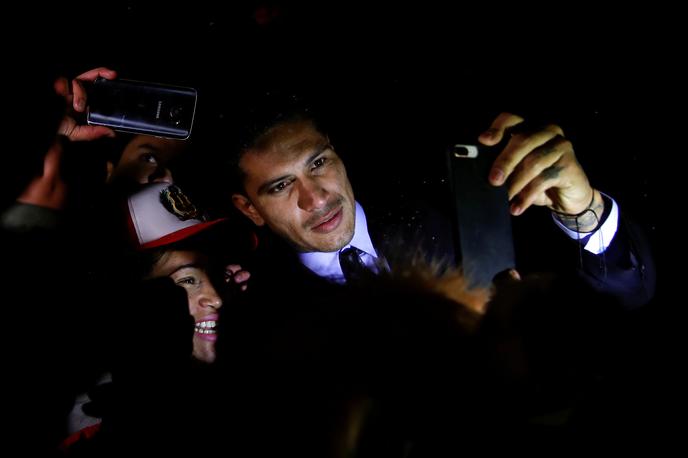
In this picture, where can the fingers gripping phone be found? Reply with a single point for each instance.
(482, 221)
(142, 108)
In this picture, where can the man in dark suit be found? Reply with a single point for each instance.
(291, 183)
(290, 179)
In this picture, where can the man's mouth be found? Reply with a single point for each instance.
(329, 222)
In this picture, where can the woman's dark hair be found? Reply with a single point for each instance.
(224, 240)
(144, 261)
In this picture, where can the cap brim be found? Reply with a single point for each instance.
(180, 234)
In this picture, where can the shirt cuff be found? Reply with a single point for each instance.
(21, 217)
(598, 241)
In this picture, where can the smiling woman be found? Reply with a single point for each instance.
(167, 231)
(165, 315)
(190, 270)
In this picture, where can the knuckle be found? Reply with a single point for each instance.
(554, 128)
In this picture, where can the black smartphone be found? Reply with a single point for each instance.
(142, 107)
(482, 221)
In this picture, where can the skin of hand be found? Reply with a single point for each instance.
(49, 190)
(540, 168)
(235, 273)
(78, 101)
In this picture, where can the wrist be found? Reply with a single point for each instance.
(587, 220)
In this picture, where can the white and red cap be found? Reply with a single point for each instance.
(160, 214)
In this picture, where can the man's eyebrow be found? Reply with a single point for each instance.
(318, 151)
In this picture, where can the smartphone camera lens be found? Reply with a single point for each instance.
(460, 151)
(176, 115)
(464, 151)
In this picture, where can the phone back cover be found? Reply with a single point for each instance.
(482, 220)
(143, 108)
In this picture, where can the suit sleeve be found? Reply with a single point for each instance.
(625, 269)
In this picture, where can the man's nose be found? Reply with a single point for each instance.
(312, 196)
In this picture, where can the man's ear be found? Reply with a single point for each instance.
(244, 205)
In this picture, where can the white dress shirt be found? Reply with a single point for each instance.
(600, 239)
(326, 264)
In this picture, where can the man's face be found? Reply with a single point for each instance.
(188, 269)
(146, 159)
(297, 185)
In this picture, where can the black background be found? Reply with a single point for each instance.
(401, 81)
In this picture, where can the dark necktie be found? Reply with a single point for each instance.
(352, 264)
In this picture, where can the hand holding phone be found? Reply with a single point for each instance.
(75, 95)
(142, 108)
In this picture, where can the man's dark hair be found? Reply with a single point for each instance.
(261, 115)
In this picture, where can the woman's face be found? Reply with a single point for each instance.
(188, 269)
